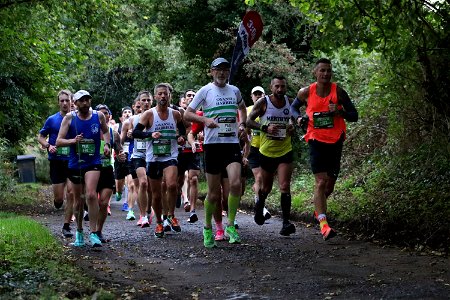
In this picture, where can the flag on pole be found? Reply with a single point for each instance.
(250, 29)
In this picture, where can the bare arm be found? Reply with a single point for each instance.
(106, 135)
(61, 139)
(258, 110)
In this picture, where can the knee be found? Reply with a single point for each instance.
(193, 181)
(91, 197)
(321, 183)
(143, 184)
(171, 187)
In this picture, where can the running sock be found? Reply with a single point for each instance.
(209, 211)
(286, 206)
(219, 226)
(233, 204)
(322, 220)
(262, 197)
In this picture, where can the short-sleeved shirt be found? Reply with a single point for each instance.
(51, 129)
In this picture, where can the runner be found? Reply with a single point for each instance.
(59, 159)
(106, 182)
(81, 131)
(221, 104)
(162, 152)
(275, 149)
(253, 155)
(139, 164)
(327, 107)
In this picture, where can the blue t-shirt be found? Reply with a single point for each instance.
(87, 152)
(51, 129)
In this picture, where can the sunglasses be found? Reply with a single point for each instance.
(138, 106)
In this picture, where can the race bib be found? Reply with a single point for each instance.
(281, 134)
(141, 145)
(255, 132)
(323, 120)
(227, 126)
(63, 151)
(106, 162)
(161, 147)
(86, 146)
(126, 147)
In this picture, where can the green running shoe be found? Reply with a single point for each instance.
(208, 238)
(118, 197)
(79, 239)
(231, 232)
(95, 241)
(130, 215)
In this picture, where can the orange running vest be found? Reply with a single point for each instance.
(317, 104)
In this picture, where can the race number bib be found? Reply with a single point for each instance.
(323, 120)
(141, 145)
(86, 146)
(63, 151)
(281, 134)
(161, 147)
(227, 126)
(126, 147)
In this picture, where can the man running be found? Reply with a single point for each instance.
(59, 159)
(327, 107)
(162, 152)
(275, 149)
(221, 104)
(81, 130)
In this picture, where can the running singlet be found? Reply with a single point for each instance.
(220, 104)
(106, 160)
(322, 126)
(164, 148)
(279, 144)
(51, 129)
(86, 153)
(255, 139)
(139, 145)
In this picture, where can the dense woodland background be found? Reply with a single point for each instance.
(392, 56)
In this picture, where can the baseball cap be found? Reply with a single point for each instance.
(103, 106)
(80, 94)
(126, 108)
(258, 89)
(219, 61)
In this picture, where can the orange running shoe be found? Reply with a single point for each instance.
(175, 225)
(327, 232)
(159, 230)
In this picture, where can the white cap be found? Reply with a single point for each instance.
(219, 61)
(80, 94)
(258, 89)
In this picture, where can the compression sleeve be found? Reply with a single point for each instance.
(295, 108)
(350, 113)
(181, 128)
(139, 132)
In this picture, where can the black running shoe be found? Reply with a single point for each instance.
(193, 218)
(67, 233)
(287, 229)
(259, 216)
(58, 205)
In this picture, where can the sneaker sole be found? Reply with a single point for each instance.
(193, 219)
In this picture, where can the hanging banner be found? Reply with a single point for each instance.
(250, 29)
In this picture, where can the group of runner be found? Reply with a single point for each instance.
(156, 153)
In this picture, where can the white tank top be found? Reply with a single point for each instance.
(140, 146)
(164, 148)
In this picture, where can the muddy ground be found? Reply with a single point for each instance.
(136, 265)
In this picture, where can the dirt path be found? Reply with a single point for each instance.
(136, 265)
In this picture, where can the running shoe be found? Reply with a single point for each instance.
(236, 225)
(58, 204)
(118, 197)
(86, 216)
(220, 235)
(100, 237)
(266, 214)
(130, 215)
(187, 206)
(175, 225)
(193, 218)
(159, 230)
(109, 210)
(67, 233)
(327, 232)
(166, 224)
(208, 238)
(79, 239)
(224, 213)
(231, 232)
(287, 229)
(139, 222)
(144, 222)
(259, 216)
(95, 241)
(125, 207)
